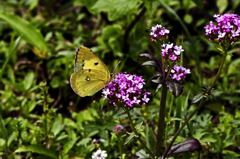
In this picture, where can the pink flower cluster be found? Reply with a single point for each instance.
(127, 89)
(179, 73)
(171, 52)
(159, 31)
(117, 129)
(227, 28)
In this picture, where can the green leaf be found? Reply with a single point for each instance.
(31, 34)
(28, 80)
(84, 141)
(87, 3)
(3, 128)
(234, 67)
(12, 51)
(57, 125)
(222, 5)
(188, 18)
(69, 123)
(142, 154)
(31, 105)
(139, 126)
(71, 141)
(199, 3)
(197, 98)
(55, 82)
(2, 143)
(111, 31)
(150, 138)
(37, 149)
(11, 138)
(116, 9)
(132, 135)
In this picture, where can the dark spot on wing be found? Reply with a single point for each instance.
(89, 70)
(96, 63)
(82, 65)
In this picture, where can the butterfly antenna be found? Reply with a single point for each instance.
(116, 68)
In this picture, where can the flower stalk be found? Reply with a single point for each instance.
(161, 124)
(203, 100)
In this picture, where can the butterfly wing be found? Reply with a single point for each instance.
(86, 59)
(90, 73)
(86, 83)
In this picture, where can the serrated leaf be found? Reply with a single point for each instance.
(139, 126)
(37, 149)
(175, 88)
(116, 9)
(197, 98)
(131, 135)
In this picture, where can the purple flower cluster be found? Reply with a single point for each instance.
(179, 73)
(227, 28)
(126, 89)
(171, 52)
(117, 129)
(159, 31)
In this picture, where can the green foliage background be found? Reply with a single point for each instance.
(40, 115)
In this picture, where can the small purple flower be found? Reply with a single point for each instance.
(170, 52)
(145, 99)
(117, 129)
(179, 73)
(227, 29)
(126, 89)
(159, 32)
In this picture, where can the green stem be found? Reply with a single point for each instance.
(120, 146)
(137, 134)
(160, 133)
(218, 73)
(168, 119)
(183, 125)
(203, 100)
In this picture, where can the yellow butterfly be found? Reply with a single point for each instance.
(90, 73)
